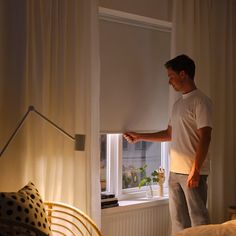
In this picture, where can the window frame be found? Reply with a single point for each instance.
(114, 141)
(114, 168)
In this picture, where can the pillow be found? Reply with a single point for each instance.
(10, 230)
(24, 209)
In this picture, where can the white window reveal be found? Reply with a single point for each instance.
(134, 97)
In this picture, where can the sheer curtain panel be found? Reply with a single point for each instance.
(45, 65)
(204, 29)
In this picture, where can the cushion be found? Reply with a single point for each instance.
(10, 230)
(25, 210)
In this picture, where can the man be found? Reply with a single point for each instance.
(189, 131)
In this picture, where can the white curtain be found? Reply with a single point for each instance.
(204, 29)
(50, 60)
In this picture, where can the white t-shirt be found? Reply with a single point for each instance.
(190, 113)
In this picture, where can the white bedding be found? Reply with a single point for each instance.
(226, 229)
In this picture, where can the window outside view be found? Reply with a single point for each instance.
(134, 156)
(103, 161)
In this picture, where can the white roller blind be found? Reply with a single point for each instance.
(134, 84)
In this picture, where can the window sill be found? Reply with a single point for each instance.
(137, 203)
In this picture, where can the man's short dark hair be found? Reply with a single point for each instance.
(182, 62)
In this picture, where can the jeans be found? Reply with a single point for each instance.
(187, 205)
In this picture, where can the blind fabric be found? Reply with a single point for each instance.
(134, 85)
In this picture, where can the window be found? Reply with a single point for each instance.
(133, 50)
(135, 156)
(103, 162)
(120, 163)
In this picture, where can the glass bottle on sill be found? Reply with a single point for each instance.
(149, 190)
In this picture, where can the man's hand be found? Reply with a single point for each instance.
(201, 152)
(131, 137)
(193, 178)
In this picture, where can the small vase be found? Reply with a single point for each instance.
(149, 190)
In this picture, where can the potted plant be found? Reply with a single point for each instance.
(157, 176)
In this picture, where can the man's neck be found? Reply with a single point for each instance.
(189, 87)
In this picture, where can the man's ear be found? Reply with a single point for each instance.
(182, 74)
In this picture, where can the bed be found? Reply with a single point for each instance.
(226, 229)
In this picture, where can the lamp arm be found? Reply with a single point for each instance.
(79, 138)
(51, 123)
(15, 132)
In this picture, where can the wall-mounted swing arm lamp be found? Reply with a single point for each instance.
(79, 139)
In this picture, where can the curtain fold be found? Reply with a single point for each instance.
(204, 30)
(46, 43)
